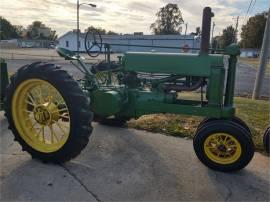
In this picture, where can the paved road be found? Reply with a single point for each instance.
(122, 164)
(245, 76)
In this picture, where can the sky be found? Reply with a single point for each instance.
(125, 16)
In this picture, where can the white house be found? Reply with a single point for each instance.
(250, 53)
(69, 39)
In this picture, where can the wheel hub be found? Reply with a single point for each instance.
(222, 148)
(46, 114)
(41, 115)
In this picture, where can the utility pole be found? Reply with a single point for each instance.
(236, 29)
(185, 33)
(78, 26)
(263, 60)
(78, 22)
(213, 29)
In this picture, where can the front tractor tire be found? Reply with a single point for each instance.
(223, 145)
(48, 113)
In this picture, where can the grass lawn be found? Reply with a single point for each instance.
(254, 62)
(255, 113)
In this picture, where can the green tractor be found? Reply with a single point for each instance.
(50, 113)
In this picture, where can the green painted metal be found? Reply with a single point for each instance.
(216, 86)
(4, 82)
(147, 102)
(131, 99)
(152, 107)
(106, 102)
(233, 51)
(172, 63)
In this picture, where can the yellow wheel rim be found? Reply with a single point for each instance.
(41, 115)
(222, 148)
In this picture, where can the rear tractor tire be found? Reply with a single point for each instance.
(48, 113)
(223, 145)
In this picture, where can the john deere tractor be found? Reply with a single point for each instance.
(50, 113)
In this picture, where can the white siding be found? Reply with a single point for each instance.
(149, 40)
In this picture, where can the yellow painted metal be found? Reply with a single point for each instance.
(222, 148)
(41, 115)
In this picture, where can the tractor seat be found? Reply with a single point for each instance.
(67, 54)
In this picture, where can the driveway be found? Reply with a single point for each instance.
(121, 164)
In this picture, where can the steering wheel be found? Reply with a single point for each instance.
(93, 43)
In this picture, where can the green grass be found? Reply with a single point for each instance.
(253, 62)
(255, 113)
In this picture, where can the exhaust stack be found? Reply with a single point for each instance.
(206, 28)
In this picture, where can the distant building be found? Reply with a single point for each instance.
(9, 44)
(69, 39)
(35, 43)
(250, 52)
(26, 43)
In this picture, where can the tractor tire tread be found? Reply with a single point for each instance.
(233, 128)
(81, 116)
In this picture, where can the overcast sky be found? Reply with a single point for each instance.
(124, 16)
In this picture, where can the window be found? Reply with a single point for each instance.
(67, 44)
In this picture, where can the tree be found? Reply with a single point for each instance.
(253, 31)
(169, 20)
(20, 30)
(112, 33)
(7, 30)
(38, 30)
(215, 44)
(101, 31)
(197, 32)
(227, 37)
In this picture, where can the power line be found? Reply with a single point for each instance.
(253, 6)
(247, 10)
(237, 19)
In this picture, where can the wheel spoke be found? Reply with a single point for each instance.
(40, 129)
(53, 135)
(25, 110)
(30, 103)
(60, 110)
(64, 117)
(33, 103)
(33, 125)
(39, 94)
(220, 154)
(59, 125)
(30, 118)
(210, 146)
(220, 139)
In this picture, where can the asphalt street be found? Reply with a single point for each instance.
(121, 164)
(245, 75)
